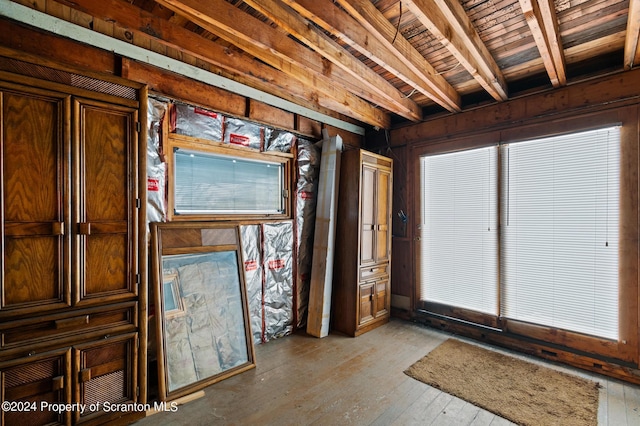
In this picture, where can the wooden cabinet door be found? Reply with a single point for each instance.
(104, 216)
(382, 301)
(106, 375)
(367, 214)
(382, 215)
(35, 197)
(31, 386)
(367, 302)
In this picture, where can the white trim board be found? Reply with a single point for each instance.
(25, 15)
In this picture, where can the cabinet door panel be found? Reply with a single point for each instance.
(36, 380)
(367, 215)
(383, 207)
(107, 372)
(105, 213)
(35, 196)
(367, 301)
(382, 298)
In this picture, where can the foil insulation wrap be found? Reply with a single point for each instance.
(278, 272)
(267, 250)
(198, 122)
(156, 167)
(243, 133)
(252, 255)
(306, 192)
(278, 140)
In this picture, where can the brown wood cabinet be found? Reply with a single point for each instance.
(69, 305)
(362, 261)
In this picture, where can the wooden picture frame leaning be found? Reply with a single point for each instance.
(202, 315)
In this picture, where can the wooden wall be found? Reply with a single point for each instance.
(582, 105)
(36, 45)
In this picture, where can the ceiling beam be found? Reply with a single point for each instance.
(296, 25)
(449, 23)
(233, 64)
(374, 21)
(341, 25)
(278, 50)
(62, 28)
(542, 21)
(632, 40)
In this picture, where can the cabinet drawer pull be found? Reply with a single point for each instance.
(72, 322)
(84, 375)
(58, 383)
(57, 228)
(84, 228)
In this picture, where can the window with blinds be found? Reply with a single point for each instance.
(556, 264)
(208, 183)
(459, 229)
(559, 241)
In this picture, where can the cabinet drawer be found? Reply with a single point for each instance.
(120, 317)
(374, 271)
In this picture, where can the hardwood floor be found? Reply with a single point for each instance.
(302, 380)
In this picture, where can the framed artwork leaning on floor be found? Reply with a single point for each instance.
(202, 322)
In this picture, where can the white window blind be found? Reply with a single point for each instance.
(559, 264)
(210, 184)
(459, 229)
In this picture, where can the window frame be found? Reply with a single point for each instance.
(188, 143)
(626, 348)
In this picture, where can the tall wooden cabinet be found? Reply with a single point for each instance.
(70, 299)
(362, 262)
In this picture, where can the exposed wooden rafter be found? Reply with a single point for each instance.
(374, 21)
(381, 90)
(542, 21)
(632, 41)
(448, 22)
(341, 25)
(377, 62)
(281, 52)
(233, 64)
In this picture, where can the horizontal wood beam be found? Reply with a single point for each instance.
(375, 22)
(296, 25)
(344, 27)
(278, 50)
(75, 32)
(233, 64)
(449, 23)
(615, 90)
(541, 18)
(632, 41)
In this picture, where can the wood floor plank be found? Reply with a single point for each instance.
(603, 415)
(303, 380)
(632, 404)
(483, 418)
(616, 411)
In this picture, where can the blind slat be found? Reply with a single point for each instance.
(559, 258)
(459, 229)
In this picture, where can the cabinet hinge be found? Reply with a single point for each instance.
(137, 390)
(285, 193)
(138, 127)
(138, 203)
(138, 278)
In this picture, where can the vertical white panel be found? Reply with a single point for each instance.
(324, 238)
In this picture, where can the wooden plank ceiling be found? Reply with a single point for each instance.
(387, 62)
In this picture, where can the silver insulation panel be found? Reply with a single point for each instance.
(243, 133)
(277, 255)
(306, 195)
(198, 122)
(278, 140)
(278, 271)
(156, 167)
(250, 236)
